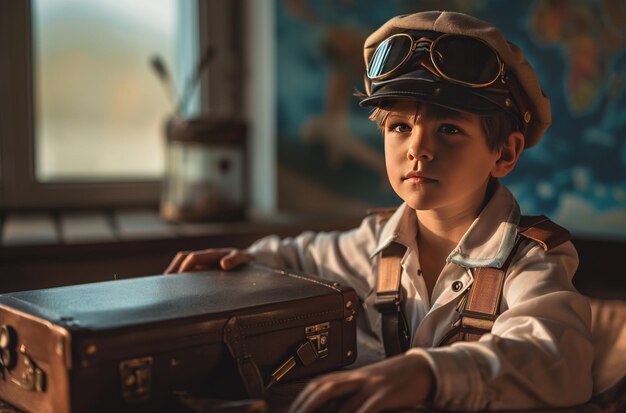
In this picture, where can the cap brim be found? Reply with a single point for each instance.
(448, 95)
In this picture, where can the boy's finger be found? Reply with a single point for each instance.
(352, 404)
(201, 257)
(320, 395)
(375, 403)
(234, 259)
(178, 259)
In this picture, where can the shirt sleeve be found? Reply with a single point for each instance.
(336, 256)
(539, 353)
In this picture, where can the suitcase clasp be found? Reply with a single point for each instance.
(314, 348)
(318, 336)
(136, 375)
(32, 378)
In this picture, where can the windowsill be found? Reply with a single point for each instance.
(45, 249)
(45, 229)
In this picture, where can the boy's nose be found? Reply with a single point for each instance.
(419, 147)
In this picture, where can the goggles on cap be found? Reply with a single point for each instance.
(456, 58)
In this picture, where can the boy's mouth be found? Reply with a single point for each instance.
(417, 177)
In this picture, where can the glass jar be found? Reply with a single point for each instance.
(205, 170)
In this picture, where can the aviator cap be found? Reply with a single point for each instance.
(517, 93)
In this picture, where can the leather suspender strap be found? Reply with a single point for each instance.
(483, 304)
(389, 300)
(543, 231)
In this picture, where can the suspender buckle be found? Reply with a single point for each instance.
(387, 302)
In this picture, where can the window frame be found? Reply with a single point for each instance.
(19, 187)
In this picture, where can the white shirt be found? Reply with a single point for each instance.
(539, 352)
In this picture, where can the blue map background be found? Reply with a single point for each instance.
(577, 173)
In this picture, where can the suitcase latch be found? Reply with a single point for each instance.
(318, 336)
(32, 378)
(136, 375)
(8, 341)
(314, 348)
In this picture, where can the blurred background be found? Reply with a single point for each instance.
(576, 175)
(83, 151)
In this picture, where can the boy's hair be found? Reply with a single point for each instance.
(496, 127)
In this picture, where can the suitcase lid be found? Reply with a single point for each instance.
(122, 303)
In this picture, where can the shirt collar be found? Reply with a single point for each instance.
(490, 238)
(487, 242)
(401, 227)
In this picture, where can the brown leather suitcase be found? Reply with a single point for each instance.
(131, 345)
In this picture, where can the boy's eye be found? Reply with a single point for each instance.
(449, 129)
(399, 128)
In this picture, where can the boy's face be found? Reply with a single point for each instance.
(437, 159)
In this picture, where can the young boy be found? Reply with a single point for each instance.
(457, 104)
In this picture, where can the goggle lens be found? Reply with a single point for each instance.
(465, 59)
(457, 58)
(389, 55)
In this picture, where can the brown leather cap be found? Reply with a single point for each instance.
(530, 96)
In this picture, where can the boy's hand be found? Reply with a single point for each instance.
(228, 258)
(401, 381)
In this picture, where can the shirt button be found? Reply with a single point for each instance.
(456, 286)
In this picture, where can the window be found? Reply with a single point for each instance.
(98, 110)
(80, 109)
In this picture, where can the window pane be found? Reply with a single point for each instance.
(99, 108)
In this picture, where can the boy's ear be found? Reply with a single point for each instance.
(509, 154)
